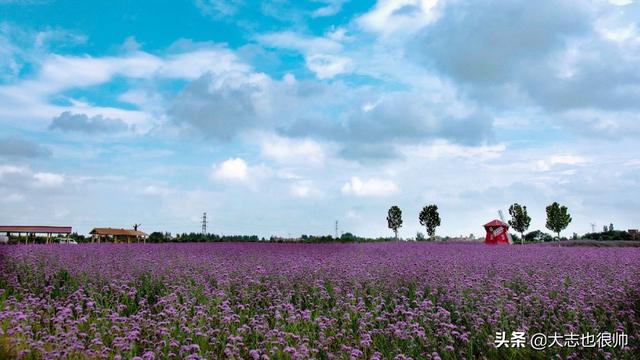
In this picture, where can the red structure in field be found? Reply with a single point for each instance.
(496, 232)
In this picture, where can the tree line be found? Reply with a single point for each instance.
(558, 219)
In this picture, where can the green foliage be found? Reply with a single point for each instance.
(537, 236)
(420, 236)
(348, 237)
(156, 237)
(520, 220)
(430, 218)
(79, 238)
(394, 219)
(199, 237)
(609, 235)
(63, 284)
(558, 218)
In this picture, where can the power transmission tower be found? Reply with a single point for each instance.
(593, 227)
(204, 223)
(336, 229)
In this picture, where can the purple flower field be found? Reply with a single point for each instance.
(323, 301)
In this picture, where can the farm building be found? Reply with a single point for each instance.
(117, 235)
(30, 232)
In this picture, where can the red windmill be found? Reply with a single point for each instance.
(497, 232)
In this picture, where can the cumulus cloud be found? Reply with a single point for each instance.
(490, 41)
(15, 147)
(602, 124)
(30, 98)
(221, 107)
(21, 178)
(565, 58)
(399, 119)
(414, 81)
(401, 17)
(82, 123)
(360, 124)
(372, 187)
(234, 169)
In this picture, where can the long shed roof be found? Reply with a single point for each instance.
(117, 232)
(35, 229)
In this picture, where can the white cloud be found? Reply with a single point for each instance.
(328, 66)
(192, 64)
(621, 2)
(29, 98)
(11, 169)
(331, 8)
(443, 149)
(157, 190)
(234, 169)
(398, 16)
(555, 160)
(287, 150)
(371, 187)
(602, 124)
(301, 43)
(219, 8)
(46, 179)
(304, 189)
(60, 72)
(322, 54)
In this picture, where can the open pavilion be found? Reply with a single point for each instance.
(30, 232)
(117, 235)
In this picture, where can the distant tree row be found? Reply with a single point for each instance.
(558, 219)
(159, 237)
(428, 217)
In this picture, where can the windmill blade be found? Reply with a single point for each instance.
(502, 219)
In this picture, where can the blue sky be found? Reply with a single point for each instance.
(281, 117)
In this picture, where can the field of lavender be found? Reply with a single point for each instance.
(323, 301)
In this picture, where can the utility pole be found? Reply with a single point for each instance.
(204, 223)
(336, 229)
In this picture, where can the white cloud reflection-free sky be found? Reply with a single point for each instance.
(280, 117)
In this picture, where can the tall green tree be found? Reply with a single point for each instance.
(558, 218)
(394, 219)
(430, 218)
(520, 220)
